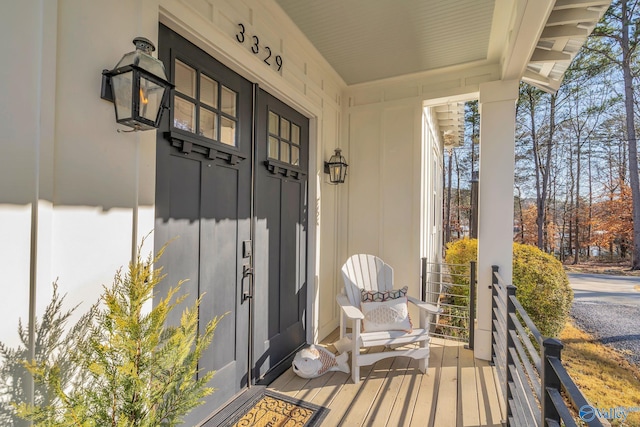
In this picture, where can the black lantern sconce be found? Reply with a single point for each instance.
(138, 87)
(336, 167)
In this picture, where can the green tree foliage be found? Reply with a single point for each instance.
(543, 286)
(54, 344)
(139, 371)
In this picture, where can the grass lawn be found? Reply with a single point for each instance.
(603, 375)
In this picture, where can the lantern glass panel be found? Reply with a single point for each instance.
(151, 95)
(122, 89)
(334, 173)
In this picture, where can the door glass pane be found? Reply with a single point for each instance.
(228, 104)
(208, 91)
(284, 128)
(273, 123)
(284, 152)
(208, 123)
(295, 155)
(295, 134)
(273, 147)
(227, 131)
(184, 115)
(185, 79)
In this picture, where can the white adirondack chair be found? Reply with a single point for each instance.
(370, 273)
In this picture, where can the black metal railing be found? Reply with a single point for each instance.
(451, 287)
(528, 366)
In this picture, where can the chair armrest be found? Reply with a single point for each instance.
(350, 310)
(424, 306)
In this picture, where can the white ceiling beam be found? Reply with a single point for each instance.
(572, 4)
(535, 77)
(572, 16)
(552, 87)
(528, 25)
(563, 31)
(541, 55)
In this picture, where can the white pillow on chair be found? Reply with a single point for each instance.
(390, 315)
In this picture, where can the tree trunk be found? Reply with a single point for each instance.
(590, 213)
(576, 258)
(447, 216)
(629, 102)
(542, 217)
(458, 198)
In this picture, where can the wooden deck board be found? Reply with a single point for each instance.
(468, 412)
(405, 402)
(458, 390)
(489, 405)
(446, 409)
(388, 392)
(426, 398)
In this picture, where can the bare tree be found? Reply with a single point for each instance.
(617, 39)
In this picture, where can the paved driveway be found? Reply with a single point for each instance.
(609, 308)
(603, 288)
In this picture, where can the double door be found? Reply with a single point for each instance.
(231, 197)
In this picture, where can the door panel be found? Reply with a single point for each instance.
(280, 207)
(203, 205)
(204, 186)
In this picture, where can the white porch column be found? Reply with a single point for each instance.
(495, 198)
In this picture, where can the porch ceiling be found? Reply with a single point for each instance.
(370, 40)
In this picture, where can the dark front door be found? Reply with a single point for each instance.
(203, 205)
(280, 234)
(231, 196)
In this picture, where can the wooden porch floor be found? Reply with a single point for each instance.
(457, 390)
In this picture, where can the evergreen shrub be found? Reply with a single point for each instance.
(136, 369)
(543, 286)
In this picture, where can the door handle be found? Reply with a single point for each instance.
(247, 273)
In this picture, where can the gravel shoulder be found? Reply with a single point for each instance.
(616, 325)
(608, 307)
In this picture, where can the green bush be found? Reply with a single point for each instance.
(458, 255)
(543, 287)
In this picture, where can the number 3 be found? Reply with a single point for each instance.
(255, 48)
(240, 35)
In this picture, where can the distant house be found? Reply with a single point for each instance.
(265, 91)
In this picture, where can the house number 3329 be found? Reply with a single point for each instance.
(258, 49)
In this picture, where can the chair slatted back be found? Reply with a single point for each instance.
(366, 272)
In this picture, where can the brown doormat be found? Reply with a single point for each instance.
(269, 409)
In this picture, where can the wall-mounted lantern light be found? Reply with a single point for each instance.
(138, 87)
(336, 167)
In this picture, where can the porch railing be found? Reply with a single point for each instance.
(529, 366)
(451, 287)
